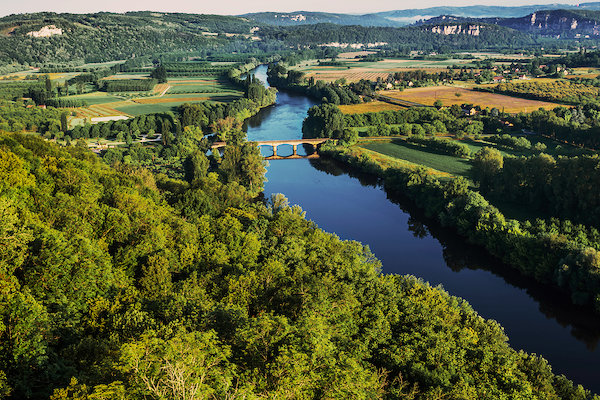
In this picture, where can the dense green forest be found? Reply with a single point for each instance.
(103, 37)
(410, 38)
(107, 36)
(579, 125)
(327, 120)
(121, 284)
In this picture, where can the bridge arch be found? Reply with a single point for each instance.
(274, 144)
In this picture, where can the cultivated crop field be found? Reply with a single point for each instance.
(102, 110)
(163, 97)
(354, 71)
(209, 84)
(449, 95)
(373, 106)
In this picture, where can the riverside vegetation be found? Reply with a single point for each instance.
(159, 271)
(562, 251)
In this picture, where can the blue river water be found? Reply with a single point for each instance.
(536, 319)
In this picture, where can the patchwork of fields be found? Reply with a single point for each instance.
(450, 95)
(353, 70)
(163, 97)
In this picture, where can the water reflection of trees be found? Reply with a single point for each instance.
(459, 255)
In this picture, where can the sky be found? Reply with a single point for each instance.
(233, 7)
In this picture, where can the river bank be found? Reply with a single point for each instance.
(355, 207)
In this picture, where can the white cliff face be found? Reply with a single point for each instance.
(48, 30)
(296, 18)
(473, 30)
(574, 24)
(533, 16)
(353, 45)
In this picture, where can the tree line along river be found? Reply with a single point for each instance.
(353, 206)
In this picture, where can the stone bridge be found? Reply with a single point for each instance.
(275, 143)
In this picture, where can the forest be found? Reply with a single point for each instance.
(400, 39)
(111, 275)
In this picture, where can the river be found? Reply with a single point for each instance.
(536, 319)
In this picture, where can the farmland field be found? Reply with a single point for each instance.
(201, 85)
(373, 106)
(448, 96)
(354, 71)
(584, 72)
(139, 109)
(95, 98)
(164, 97)
(441, 162)
(103, 110)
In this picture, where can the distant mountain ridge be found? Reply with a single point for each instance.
(313, 17)
(409, 16)
(564, 23)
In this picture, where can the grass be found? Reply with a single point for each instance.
(201, 84)
(95, 98)
(448, 96)
(139, 109)
(440, 162)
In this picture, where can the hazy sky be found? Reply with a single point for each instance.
(239, 6)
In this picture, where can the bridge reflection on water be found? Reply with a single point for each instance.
(274, 144)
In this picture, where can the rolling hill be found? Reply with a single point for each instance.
(408, 16)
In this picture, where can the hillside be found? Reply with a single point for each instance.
(39, 38)
(557, 23)
(408, 38)
(408, 16)
(310, 17)
(117, 284)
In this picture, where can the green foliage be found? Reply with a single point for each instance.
(159, 73)
(324, 121)
(332, 93)
(552, 253)
(243, 163)
(511, 142)
(445, 146)
(16, 117)
(107, 37)
(144, 287)
(418, 38)
(486, 163)
(129, 85)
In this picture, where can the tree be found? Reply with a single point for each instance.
(324, 121)
(486, 164)
(196, 166)
(48, 83)
(244, 164)
(160, 74)
(190, 366)
(64, 124)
